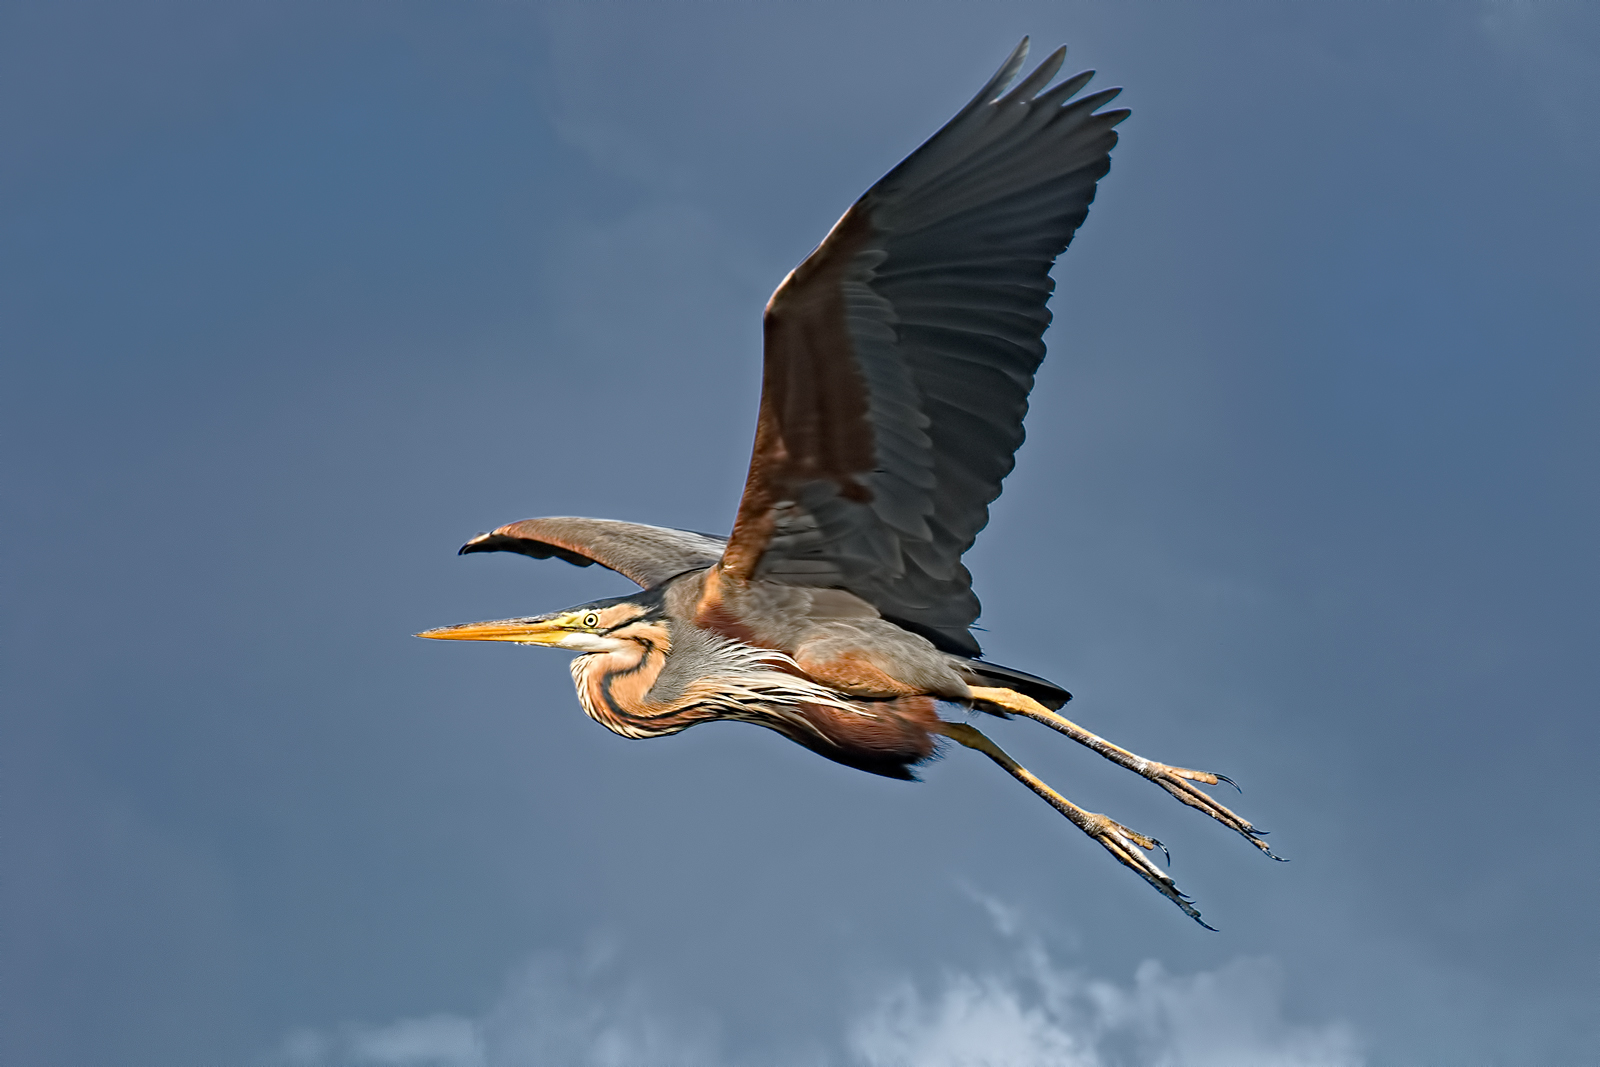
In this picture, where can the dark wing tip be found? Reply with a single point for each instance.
(527, 546)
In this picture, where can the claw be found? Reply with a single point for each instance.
(1267, 849)
(1230, 781)
(1116, 839)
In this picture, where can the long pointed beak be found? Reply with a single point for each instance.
(521, 631)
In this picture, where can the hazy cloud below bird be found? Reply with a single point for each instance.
(1030, 1011)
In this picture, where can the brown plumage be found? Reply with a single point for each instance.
(899, 357)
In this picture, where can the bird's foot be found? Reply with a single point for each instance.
(1179, 781)
(1121, 842)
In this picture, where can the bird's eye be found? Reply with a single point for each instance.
(591, 620)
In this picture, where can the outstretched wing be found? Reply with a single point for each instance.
(900, 354)
(647, 554)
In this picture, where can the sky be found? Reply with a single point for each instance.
(296, 297)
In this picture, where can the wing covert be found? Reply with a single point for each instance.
(899, 355)
(649, 555)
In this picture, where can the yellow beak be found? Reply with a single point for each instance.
(521, 631)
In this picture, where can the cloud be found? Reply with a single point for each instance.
(1037, 1014)
(554, 1012)
(1029, 1011)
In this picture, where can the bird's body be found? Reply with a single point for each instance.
(899, 357)
(668, 676)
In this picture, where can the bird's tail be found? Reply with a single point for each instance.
(1044, 691)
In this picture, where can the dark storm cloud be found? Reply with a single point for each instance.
(298, 297)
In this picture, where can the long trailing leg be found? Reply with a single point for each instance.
(1117, 839)
(1176, 780)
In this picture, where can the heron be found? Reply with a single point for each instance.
(898, 359)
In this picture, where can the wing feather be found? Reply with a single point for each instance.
(648, 555)
(900, 355)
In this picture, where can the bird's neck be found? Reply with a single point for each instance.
(614, 687)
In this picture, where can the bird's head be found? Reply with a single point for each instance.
(603, 626)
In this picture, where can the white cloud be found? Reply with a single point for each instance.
(442, 1039)
(554, 1012)
(1037, 1014)
(1028, 1012)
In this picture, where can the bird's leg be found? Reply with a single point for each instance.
(1117, 839)
(1176, 780)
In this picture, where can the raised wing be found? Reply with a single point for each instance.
(647, 554)
(900, 354)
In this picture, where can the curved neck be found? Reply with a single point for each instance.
(614, 687)
(636, 692)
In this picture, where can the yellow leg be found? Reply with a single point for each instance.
(1117, 839)
(1175, 780)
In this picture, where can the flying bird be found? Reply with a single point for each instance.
(898, 361)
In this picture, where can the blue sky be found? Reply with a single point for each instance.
(296, 297)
